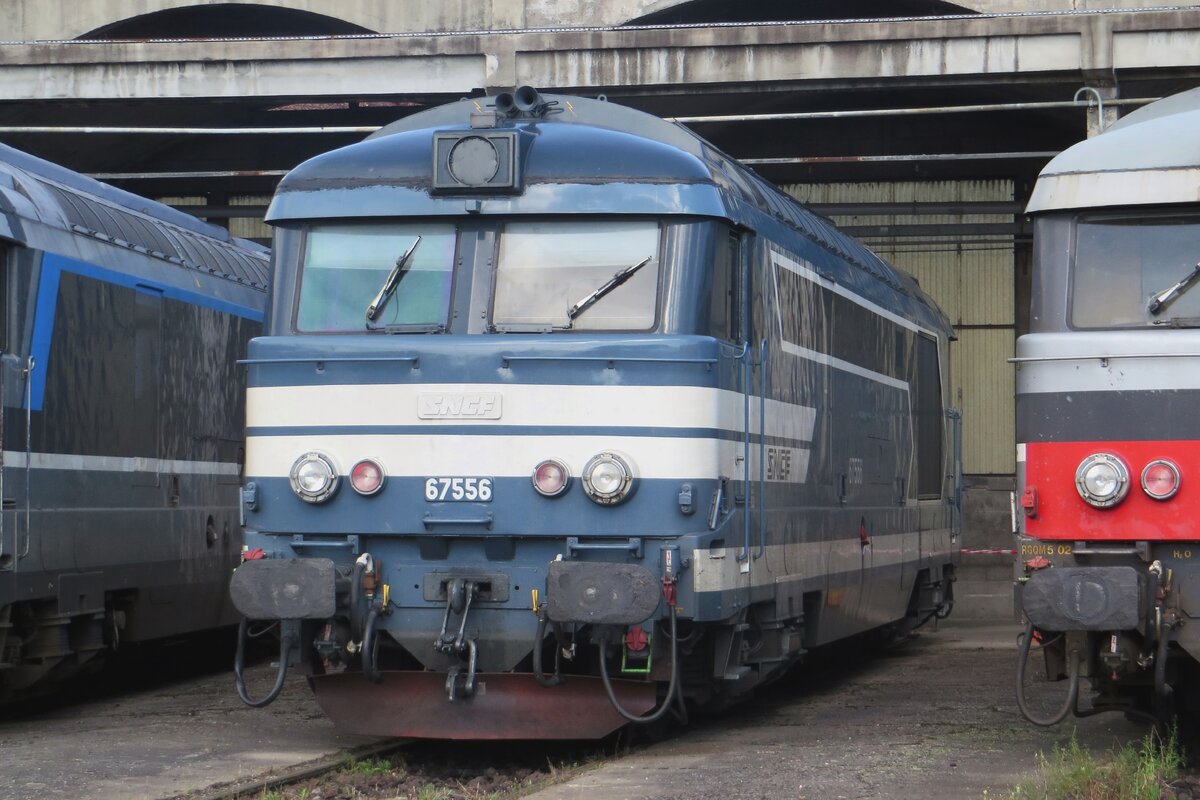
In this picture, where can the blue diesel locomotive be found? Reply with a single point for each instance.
(563, 419)
(121, 419)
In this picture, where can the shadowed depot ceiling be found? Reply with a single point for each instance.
(808, 127)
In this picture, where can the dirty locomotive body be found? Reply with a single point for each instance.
(121, 424)
(1107, 389)
(565, 419)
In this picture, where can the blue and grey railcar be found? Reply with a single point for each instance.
(565, 419)
(121, 419)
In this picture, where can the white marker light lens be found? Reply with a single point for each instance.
(1102, 480)
(607, 479)
(313, 477)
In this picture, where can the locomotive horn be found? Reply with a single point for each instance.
(505, 105)
(528, 99)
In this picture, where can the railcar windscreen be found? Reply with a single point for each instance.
(346, 266)
(1121, 264)
(546, 269)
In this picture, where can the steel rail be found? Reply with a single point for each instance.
(239, 790)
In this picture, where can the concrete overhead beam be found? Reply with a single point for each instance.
(1001, 48)
(30, 20)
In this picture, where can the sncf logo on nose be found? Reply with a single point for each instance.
(458, 405)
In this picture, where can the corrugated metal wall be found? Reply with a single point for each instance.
(972, 279)
(250, 227)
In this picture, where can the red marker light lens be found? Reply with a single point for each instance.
(551, 478)
(367, 477)
(1160, 479)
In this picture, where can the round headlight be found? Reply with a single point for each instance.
(366, 477)
(551, 477)
(1102, 480)
(607, 479)
(1160, 479)
(314, 478)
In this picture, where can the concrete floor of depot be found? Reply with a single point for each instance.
(931, 718)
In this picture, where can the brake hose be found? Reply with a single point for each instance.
(1162, 691)
(1072, 688)
(671, 687)
(356, 597)
(548, 681)
(370, 648)
(285, 646)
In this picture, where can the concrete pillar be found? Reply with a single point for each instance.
(1099, 73)
(1100, 113)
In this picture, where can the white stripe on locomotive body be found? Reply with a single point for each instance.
(806, 270)
(715, 571)
(333, 406)
(439, 452)
(844, 366)
(15, 459)
(1020, 452)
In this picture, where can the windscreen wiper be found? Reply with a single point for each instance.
(393, 280)
(1167, 295)
(599, 292)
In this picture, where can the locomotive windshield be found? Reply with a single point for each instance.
(558, 275)
(345, 267)
(1122, 265)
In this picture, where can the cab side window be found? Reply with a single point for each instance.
(928, 419)
(725, 320)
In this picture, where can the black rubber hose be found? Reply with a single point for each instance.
(239, 659)
(1072, 688)
(370, 648)
(539, 639)
(671, 687)
(356, 597)
(1162, 691)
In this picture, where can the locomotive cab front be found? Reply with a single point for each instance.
(483, 429)
(541, 439)
(1107, 383)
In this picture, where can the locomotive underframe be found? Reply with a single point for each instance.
(418, 681)
(1128, 611)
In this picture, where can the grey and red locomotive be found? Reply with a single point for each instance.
(1108, 455)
